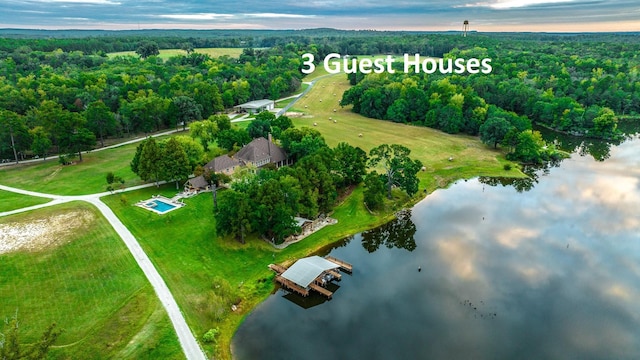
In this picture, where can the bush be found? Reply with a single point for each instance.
(210, 336)
(507, 167)
(64, 160)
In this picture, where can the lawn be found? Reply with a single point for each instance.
(12, 201)
(168, 53)
(90, 286)
(86, 177)
(196, 264)
(470, 157)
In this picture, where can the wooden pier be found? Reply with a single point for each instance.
(277, 268)
(321, 290)
(292, 286)
(345, 266)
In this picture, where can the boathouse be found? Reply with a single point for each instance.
(310, 273)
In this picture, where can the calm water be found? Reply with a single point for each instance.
(548, 273)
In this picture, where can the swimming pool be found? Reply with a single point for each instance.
(159, 205)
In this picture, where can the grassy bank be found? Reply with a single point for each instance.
(89, 285)
(207, 274)
(12, 201)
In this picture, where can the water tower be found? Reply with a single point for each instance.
(465, 28)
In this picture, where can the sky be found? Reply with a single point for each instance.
(428, 15)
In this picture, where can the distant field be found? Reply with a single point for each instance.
(86, 281)
(167, 53)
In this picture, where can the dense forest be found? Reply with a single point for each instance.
(60, 93)
(570, 85)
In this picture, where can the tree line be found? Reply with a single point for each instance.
(60, 102)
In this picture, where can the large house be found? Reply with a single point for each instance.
(223, 164)
(261, 152)
(258, 153)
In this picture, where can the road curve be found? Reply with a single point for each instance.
(188, 342)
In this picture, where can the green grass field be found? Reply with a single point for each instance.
(90, 286)
(434, 148)
(12, 201)
(191, 258)
(168, 53)
(86, 177)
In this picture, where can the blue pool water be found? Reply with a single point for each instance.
(161, 206)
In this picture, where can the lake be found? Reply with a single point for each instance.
(545, 270)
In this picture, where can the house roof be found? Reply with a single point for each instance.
(256, 104)
(221, 163)
(260, 149)
(198, 182)
(305, 270)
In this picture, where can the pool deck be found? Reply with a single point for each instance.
(145, 204)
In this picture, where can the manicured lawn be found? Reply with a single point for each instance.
(196, 264)
(167, 53)
(86, 177)
(11, 201)
(91, 287)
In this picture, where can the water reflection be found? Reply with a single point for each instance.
(551, 273)
(397, 233)
(599, 149)
(533, 172)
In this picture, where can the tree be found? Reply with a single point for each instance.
(205, 131)
(529, 147)
(373, 190)
(187, 47)
(234, 214)
(259, 128)
(11, 348)
(605, 123)
(493, 131)
(81, 140)
(399, 169)
(148, 48)
(351, 163)
(229, 138)
(100, 120)
(280, 124)
(194, 151)
(186, 110)
(41, 143)
(12, 121)
(149, 163)
(174, 162)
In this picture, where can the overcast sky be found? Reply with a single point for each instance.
(483, 15)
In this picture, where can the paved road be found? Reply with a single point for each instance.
(133, 141)
(188, 342)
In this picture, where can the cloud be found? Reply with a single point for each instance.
(513, 4)
(485, 15)
(203, 16)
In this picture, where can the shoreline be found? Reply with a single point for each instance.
(381, 219)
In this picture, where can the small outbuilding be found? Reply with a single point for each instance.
(196, 184)
(256, 106)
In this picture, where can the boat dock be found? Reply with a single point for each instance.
(312, 273)
(344, 266)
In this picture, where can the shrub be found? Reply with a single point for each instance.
(210, 335)
(507, 167)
